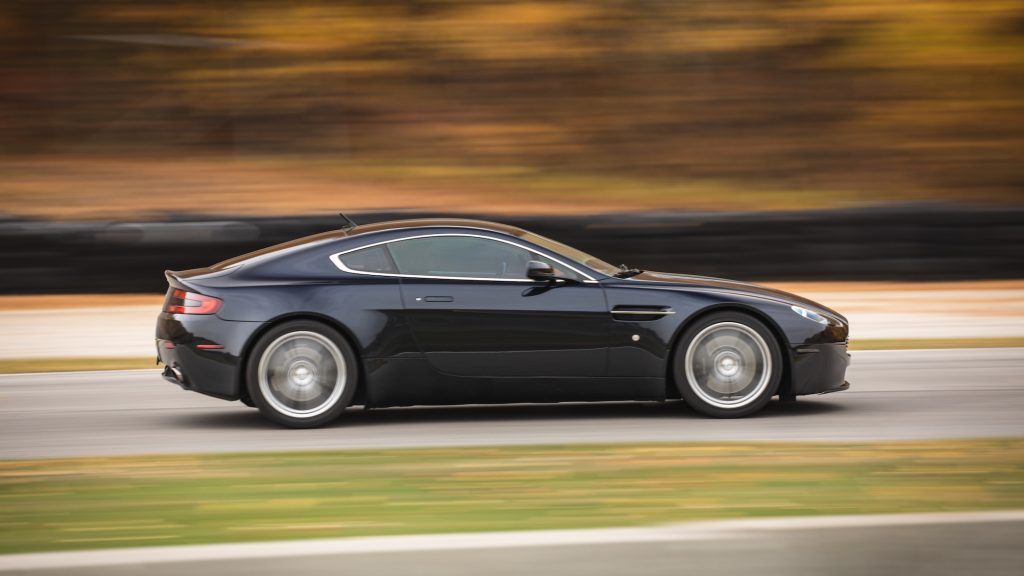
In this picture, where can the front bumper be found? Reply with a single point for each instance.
(843, 386)
(818, 368)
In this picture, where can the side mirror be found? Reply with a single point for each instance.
(536, 270)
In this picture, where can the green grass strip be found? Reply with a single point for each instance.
(28, 366)
(165, 500)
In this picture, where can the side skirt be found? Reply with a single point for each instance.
(412, 382)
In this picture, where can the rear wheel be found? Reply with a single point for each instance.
(728, 365)
(301, 374)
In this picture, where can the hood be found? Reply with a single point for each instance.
(723, 285)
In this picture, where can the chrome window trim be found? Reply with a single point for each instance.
(336, 259)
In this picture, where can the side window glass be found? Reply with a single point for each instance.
(459, 257)
(373, 259)
(466, 257)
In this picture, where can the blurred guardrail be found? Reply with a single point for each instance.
(915, 242)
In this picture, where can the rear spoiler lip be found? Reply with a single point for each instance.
(175, 281)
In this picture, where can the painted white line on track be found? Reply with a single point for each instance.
(692, 531)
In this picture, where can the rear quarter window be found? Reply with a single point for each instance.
(372, 259)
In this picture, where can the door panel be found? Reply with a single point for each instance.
(509, 329)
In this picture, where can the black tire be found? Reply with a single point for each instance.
(715, 365)
(294, 373)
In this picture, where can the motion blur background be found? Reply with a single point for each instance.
(268, 107)
(838, 145)
(138, 111)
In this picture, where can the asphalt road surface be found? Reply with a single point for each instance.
(894, 395)
(903, 545)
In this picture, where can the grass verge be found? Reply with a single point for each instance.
(134, 501)
(26, 366)
(30, 365)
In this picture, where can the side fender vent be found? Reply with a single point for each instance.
(641, 312)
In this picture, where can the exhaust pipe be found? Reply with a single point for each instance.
(173, 374)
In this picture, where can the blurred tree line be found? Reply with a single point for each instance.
(832, 94)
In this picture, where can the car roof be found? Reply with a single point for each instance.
(379, 227)
(436, 223)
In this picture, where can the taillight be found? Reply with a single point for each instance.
(181, 302)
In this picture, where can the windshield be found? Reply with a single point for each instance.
(571, 253)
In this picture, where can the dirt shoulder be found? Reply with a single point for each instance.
(799, 287)
(65, 301)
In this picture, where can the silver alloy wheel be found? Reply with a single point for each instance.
(302, 374)
(728, 365)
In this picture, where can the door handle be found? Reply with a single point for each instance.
(437, 299)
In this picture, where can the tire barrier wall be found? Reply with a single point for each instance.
(906, 243)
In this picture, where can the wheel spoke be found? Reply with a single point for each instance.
(302, 374)
(728, 364)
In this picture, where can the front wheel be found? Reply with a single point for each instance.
(728, 365)
(301, 374)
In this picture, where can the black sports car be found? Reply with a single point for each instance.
(465, 312)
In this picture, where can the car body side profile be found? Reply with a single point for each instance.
(431, 312)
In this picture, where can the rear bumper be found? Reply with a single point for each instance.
(183, 345)
(818, 368)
